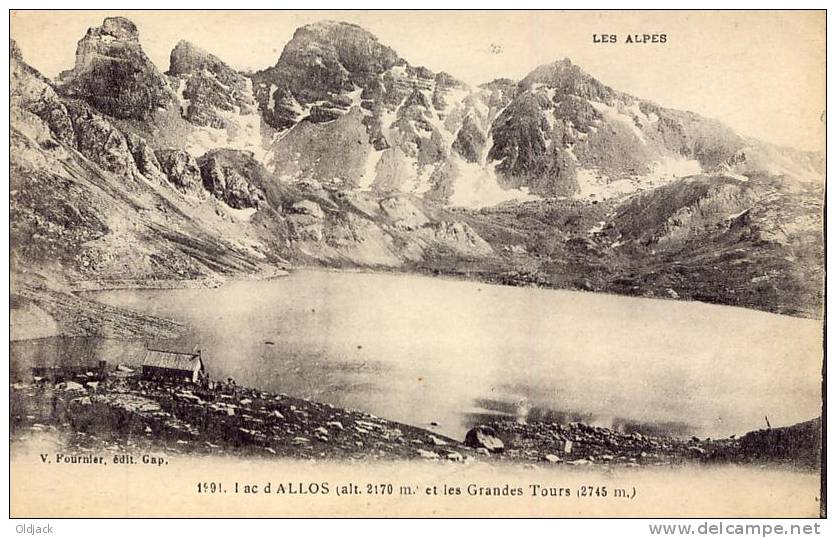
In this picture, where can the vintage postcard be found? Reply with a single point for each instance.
(416, 263)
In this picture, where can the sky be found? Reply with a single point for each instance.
(760, 72)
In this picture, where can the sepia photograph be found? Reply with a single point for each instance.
(436, 264)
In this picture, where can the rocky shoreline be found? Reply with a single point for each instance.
(45, 307)
(214, 281)
(122, 413)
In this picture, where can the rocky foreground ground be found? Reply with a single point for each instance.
(123, 413)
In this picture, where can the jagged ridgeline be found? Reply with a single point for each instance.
(345, 154)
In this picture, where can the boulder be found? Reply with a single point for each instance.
(567, 446)
(308, 207)
(233, 176)
(182, 171)
(145, 159)
(427, 454)
(454, 456)
(484, 437)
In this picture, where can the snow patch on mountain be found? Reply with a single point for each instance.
(245, 130)
(672, 167)
(614, 113)
(355, 96)
(476, 186)
(181, 89)
(367, 179)
(596, 185)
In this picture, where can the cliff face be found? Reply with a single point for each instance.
(114, 75)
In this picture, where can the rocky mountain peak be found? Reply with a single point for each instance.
(117, 37)
(187, 58)
(565, 78)
(209, 89)
(445, 80)
(337, 54)
(356, 49)
(322, 64)
(113, 74)
(116, 27)
(30, 91)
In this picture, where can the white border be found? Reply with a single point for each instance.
(366, 528)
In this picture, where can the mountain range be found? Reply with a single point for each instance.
(343, 154)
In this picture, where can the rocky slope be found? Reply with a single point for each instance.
(217, 102)
(755, 243)
(94, 416)
(92, 202)
(345, 154)
(566, 133)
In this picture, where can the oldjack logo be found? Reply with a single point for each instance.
(34, 529)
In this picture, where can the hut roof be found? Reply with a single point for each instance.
(172, 360)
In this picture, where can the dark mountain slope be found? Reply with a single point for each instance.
(114, 75)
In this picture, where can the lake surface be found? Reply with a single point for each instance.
(425, 350)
